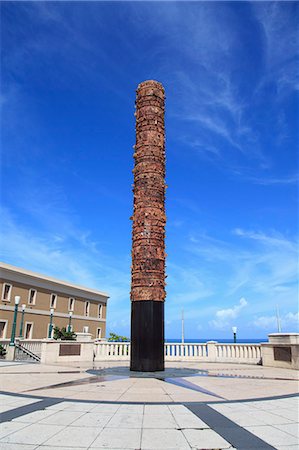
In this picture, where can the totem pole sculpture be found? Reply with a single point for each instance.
(148, 248)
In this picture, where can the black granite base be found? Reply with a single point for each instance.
(147, 336)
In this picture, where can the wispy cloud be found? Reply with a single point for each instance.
(225, 317)
(280, 44)
(259, 266)
(292, 179)
(289, 322)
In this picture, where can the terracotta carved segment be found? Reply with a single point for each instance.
(148, 246)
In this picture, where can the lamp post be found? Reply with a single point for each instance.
(51, 323)
(234, 329)
(14, 325)
(70, 322)
(22, 320)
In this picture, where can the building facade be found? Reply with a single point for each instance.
(39, 294)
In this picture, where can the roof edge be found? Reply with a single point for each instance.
(42, 277)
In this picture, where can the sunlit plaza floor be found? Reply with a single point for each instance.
(189, 405)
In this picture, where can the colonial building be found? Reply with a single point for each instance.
(86, 308)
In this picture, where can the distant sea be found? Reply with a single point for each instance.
(221, 341)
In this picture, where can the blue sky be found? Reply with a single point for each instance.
(230, 71)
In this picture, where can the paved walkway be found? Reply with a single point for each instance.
(197, 406)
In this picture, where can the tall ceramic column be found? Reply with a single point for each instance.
(148, 247)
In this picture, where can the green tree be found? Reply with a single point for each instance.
(117, 338)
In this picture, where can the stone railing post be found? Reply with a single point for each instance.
(212, 351)
(10, 353)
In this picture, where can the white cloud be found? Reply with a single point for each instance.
(266, 322)
(71, 257)
(289, 322)
(292, 317)
(225, 317)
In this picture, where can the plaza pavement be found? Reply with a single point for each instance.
(190, 406)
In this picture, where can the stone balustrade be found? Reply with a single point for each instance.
(211, 351)
(104, 351)
(120, 351)
(5, 343)
(33, 345)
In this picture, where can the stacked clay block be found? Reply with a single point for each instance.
(148, 249)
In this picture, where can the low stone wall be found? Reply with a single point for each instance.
(282, 350)
(66, 351)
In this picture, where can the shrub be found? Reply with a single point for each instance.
(63, 334)
(2, 351)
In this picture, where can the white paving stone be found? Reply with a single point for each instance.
(189, 421)
(105, 408)
(4, 397)
(10, 427)
(65, 417)
(159, 421)
(131, 409)
(80, 406)
(287, 447)
(205, 439)
(23, 401)
(291, 428)
(47, 447)
(125, 421)
(163, 439)
(59, 406)
(74, 437)
(7, 446)
(271, 419)
(245, 419)
(8, 399)
(34, 416)
(273, 436)
(90, 419)
(156, 409)
(265, 405)
(179, 409)
(124, 438)
(291, 413)
(32, 434)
